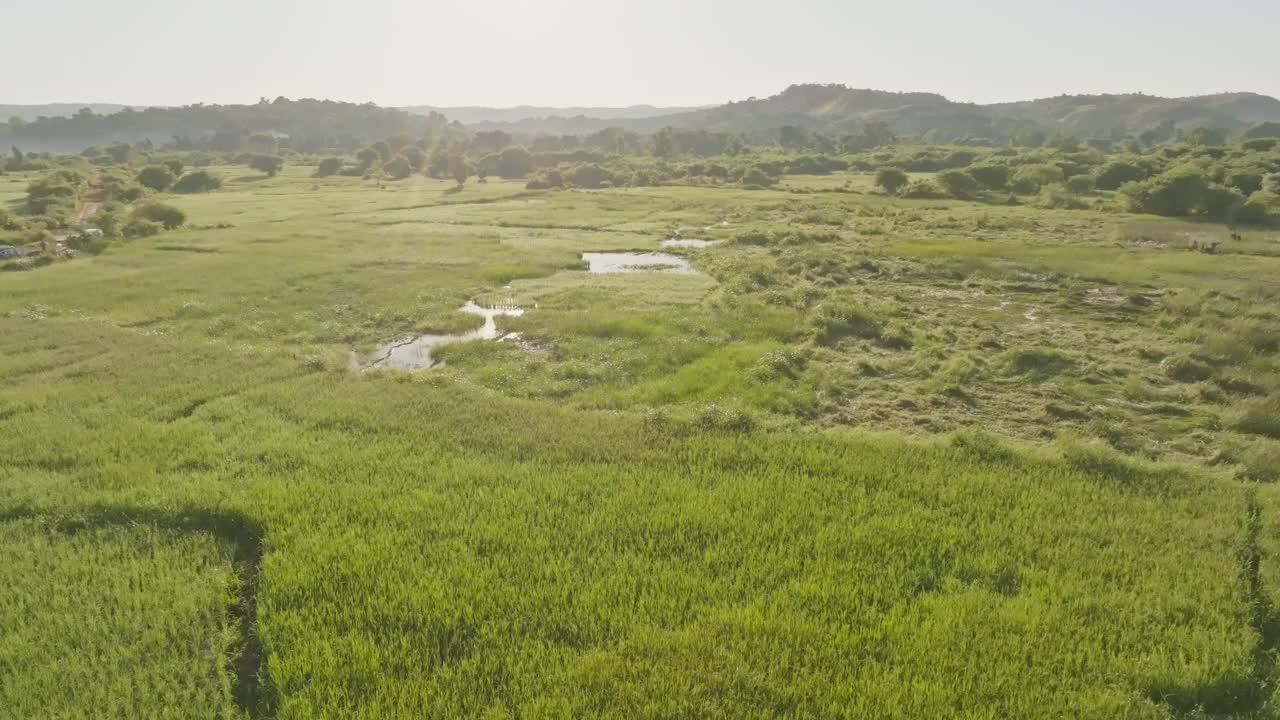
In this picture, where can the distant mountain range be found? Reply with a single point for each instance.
(833, 109)
(837, 109)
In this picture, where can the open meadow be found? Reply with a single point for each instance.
(858, 456)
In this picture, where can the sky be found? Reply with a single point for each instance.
(623, 52)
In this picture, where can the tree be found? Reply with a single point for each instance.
(399, 169)
(416, 156)
(491, 142)
(1268, 129)
(590, 176)
(16, 159)
(793, 137)
(515, 162)
(383, 149)
(891, 179)
(175, 166)
(329, 166)
(367, 158)
(1221, 202)
(156, 177)
(1203, 136)
(269, 164)
(958, 184)
(1118, 172)
(197, 182)
(458, 169)
(1170, 194)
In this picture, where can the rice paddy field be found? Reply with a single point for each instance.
(867, 458)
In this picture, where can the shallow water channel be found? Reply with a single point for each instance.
(625, 262)
(415, 353)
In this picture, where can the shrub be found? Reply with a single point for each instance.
(1170, 194)
(1080, 184)
(1118, 172)
(174, 165)
(197, 182)
(269, 164)
(141, 227)
(1030, 178)
(329, 166)
(1221, 202)
(1247, 183)
(167, 215)
(990, 175)
(515, 162)
(958, 184)
(891, 179)
(590, 176)
(399, 168)
(922, 190)
(1058, 197)
(757, 177)
(545, 180)
(156, 177)
(1256, 210)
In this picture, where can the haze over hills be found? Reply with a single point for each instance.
(837, 109)
(29, 113)
(832, 109)
(475, 115)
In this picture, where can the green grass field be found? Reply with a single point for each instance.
(877, 458)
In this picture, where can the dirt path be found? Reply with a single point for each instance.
(91, 205)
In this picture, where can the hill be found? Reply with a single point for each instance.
(311, 125)
(837, 109)
(28, 113)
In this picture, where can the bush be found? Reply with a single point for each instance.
(1058, 197)
(167, 215)
(958, 184)
(269, 164)
(757, 177)
(1118, 172)
(399, 168)
(197, 182)
(156, 177)
(590, 176)
(990, 175)
(1257, 210)
(1221, 202)
(1170, 194)
(174, 165)
(1030, 178)
(141, 227)
(922, 190)
(329, 166)
(546, 180)
(514, 162)
(1080, 184)
(891, 179)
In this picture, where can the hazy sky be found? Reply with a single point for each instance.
(617, 52)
